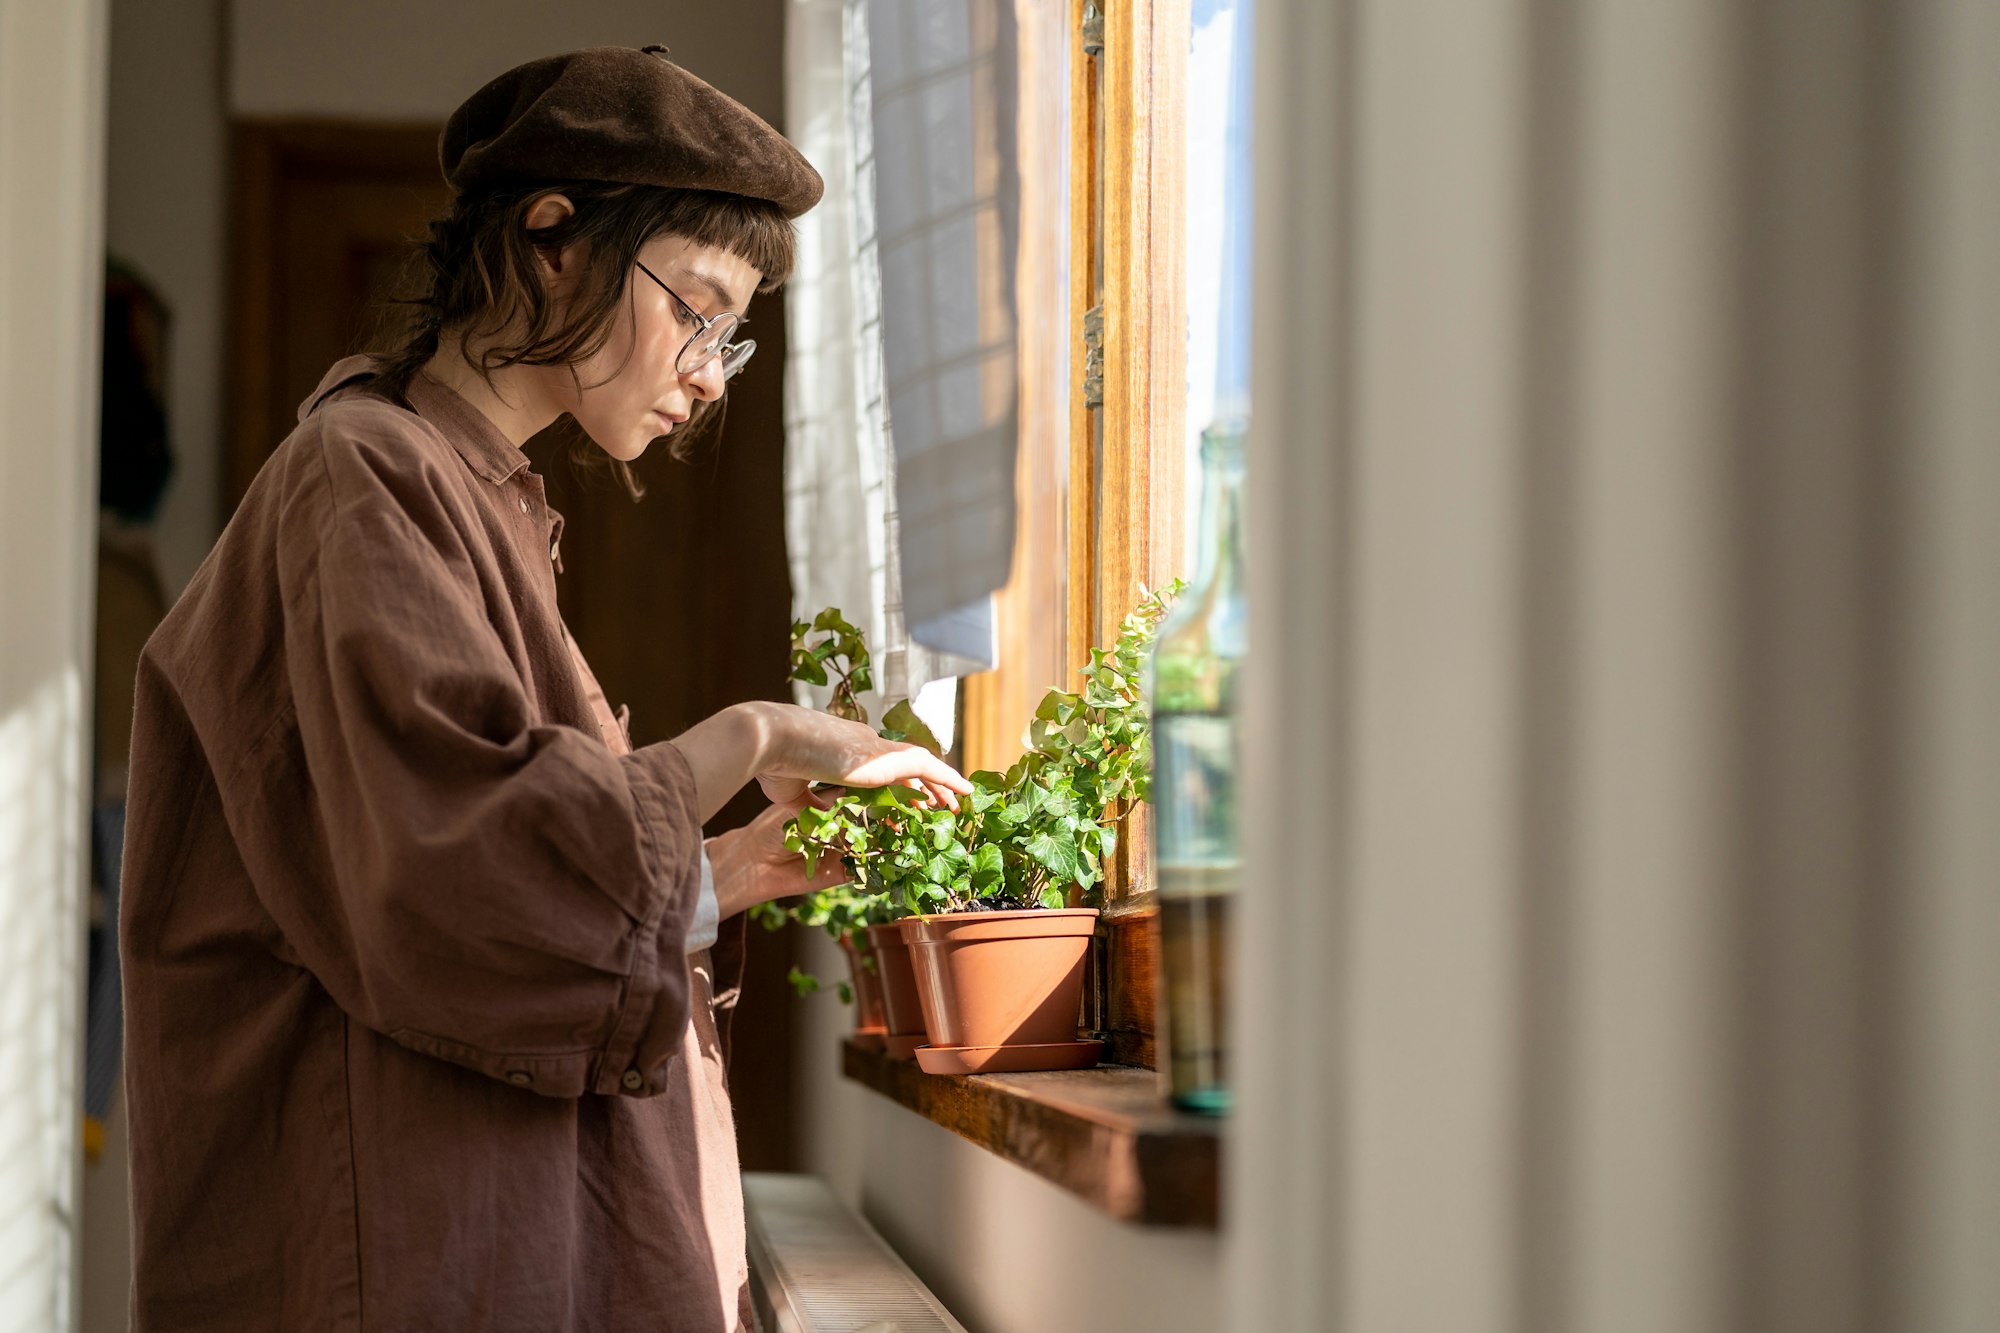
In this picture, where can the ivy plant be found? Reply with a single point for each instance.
(1029, 837)
(828, 650)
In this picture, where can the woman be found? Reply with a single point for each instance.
(420, 1008)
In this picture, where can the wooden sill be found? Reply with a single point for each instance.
(1103, 1134)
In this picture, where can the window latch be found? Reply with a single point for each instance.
(1093, 356)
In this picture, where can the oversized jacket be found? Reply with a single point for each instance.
(413, 1038)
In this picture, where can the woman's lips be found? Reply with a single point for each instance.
(667, 421)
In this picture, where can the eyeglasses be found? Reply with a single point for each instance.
(710, 338)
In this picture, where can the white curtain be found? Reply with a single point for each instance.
(922, 517)
(1620, 946)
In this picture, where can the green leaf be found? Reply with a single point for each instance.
(831, 619)
(987, 791)
(902, 719)
(988, 866)
(1057, 854)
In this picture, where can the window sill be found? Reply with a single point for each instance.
(1103, 1134)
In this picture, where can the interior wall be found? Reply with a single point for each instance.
(415, 60)
(1006, 1251)
(166, 179)
(52, 82)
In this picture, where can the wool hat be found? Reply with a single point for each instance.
(611, 113)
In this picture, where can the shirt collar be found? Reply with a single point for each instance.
(478, 441)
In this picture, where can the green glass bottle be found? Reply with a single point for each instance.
(1192, 684)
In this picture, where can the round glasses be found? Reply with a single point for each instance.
(711, 337)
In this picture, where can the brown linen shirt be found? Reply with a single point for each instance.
(402, 923)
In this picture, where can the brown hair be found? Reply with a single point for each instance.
(479, 276)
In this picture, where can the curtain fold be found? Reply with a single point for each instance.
(901, 315)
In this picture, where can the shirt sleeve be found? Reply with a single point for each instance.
(707, 912)
(502, 893)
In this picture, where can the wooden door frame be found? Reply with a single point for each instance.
(264, 155)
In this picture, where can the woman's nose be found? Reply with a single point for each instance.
(706, 383)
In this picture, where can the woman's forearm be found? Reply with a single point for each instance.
(725, 751)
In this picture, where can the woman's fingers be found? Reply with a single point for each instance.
(831, 873)
(828, 749)
(917, 768)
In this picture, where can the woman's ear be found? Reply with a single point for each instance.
(547, 211)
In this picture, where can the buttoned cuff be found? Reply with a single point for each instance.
(707, 911)
(654, 1012)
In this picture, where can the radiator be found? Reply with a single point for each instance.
(817, 1267)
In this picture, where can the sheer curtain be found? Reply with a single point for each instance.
(901, 315)
(1619, 933)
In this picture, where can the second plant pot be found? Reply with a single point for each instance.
(871, 1024)
(988, 980)
(903, 1013)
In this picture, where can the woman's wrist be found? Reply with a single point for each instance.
(758, 719)
(724, 752)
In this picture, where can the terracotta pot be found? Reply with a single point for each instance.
(903, 1014)
(865, 975)
(1001, 978)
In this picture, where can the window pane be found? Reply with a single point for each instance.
(1218, 222)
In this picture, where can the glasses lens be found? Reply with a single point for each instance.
(736, 355)
(704, 346)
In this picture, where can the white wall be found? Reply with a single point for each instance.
(415, 60)
(1006, 1251)
(52, 81)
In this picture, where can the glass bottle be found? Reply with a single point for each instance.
(1192, 679)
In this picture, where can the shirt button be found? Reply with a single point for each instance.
(633, 1080)
(520, 1078)
(524, 504)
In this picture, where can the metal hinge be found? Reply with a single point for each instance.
(1093, 28)
(1093, 356)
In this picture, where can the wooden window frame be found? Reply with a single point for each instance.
(1118, 517)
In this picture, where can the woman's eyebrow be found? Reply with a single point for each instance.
(715, 287)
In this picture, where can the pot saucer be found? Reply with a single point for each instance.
(903, 1047)
(1009, 1059)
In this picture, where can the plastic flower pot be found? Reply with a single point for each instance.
(903, 1013)
(871, 1022)
(989, 979)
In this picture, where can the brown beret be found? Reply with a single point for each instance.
(611, 113)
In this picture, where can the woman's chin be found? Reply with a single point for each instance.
(627, 449)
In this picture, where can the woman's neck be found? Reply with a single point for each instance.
(514, 400)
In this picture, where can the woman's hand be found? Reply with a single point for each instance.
(786, 748)
(752, 864)
(806, 746)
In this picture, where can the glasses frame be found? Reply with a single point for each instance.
(734, 355)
